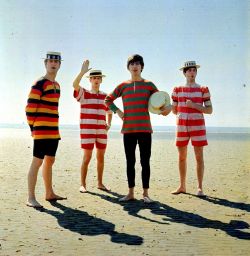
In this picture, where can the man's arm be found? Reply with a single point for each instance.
(32, 103)
(207, 109)
(109, 119)
(109, 101)
(85, 68)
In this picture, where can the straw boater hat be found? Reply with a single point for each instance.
(93, 73)
(158, 100)
(53, 56)
(190, 64)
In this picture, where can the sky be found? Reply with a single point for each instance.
(166, 33)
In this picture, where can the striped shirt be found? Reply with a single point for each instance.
(135, 96)
(42, 109)
(92, 116)
(190, 121)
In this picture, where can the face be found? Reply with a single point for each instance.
(52, 66)
(135, 68)
(191, 74)
(95, 81)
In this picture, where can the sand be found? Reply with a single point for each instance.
(97, 224)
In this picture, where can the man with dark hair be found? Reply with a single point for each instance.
(42, 117)
(190, 102)
(136, 127)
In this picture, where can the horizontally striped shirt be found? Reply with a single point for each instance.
(190, 119)
(92, 114)
(42, 109)
(135, 96)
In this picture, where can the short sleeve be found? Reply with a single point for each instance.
(79, 95)
(206, 95)
(174, 96)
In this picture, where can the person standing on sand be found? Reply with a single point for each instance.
(42, 116)
(136, 127)
(95, 121)
(190, 102)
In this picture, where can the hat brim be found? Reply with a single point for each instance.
(195, 66)
(153, 110)
(96, 76)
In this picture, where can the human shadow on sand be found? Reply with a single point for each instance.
(81, 222)
(170, 214)
(225, 202)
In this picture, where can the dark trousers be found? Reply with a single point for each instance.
(130, 141)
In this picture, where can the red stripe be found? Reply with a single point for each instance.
(185, 122)
(137, 110)
(136, 125)
(92, 116)
(92, 126)
(46, 119)
(131, 103)
(129, 118)
(93, 136)
(48, 132)
(187, 110)
(94, 106)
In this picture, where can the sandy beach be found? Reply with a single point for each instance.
(97, 224)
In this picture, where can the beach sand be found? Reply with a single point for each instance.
(97, 224)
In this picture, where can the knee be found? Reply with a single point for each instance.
(199, 159)
(100, 159)
(182, 158)
(86, 160)
(49, 161)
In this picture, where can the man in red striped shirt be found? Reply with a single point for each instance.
(136, 127)
(190, 102)
(93, 124)
(42, 116)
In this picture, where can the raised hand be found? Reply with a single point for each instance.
(85, 67)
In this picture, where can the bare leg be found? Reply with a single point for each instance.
(32, 178)
(47, 178)
(182, 170)
(87, 154)
(100, 167)
(199, 167)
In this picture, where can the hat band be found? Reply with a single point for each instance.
(53, 57)
(95, 74)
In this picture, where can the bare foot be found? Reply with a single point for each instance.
(54, 197)
(200, 192)
(33, 203)
(179, 191)
(104, 188)
(83, 189)
(127, 198)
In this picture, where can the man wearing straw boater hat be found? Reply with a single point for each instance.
(136, 127)
(95, 121)
(190, 102)
(42, 117)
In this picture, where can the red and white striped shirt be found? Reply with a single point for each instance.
(92, 116)
(190, 121)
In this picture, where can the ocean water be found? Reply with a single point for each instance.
(160, 132)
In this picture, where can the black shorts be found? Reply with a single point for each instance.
(45, 147)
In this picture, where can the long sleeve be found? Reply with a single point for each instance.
(32, 103)
(109, 100)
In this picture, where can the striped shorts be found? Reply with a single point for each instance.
(91, 137)
(193, 129)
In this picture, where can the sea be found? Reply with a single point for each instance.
(160, 132)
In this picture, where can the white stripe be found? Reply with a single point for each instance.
(93, 131)
(190, 94)
(103, 141)
(190, 116)
(182, 138)
(94, 101)
(92, 121)
(86, 141)
(199, 138)
(93, 111)
(183, 128)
